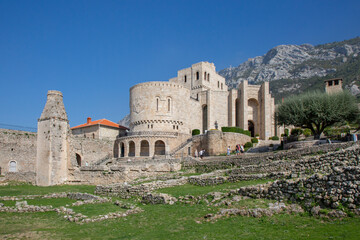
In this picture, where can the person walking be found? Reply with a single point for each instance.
(228, 151)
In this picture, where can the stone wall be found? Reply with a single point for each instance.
(89, 150)
(17, 146)
(341, 186)
(215, 163)
(215, 142)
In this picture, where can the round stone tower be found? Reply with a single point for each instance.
(52, 142)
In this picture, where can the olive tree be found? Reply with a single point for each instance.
(317, 110)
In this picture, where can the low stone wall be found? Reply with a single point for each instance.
(28, 177)
(127, 191)
(214, 163)
(342, 186)
(216, 142)
(210, 180)
(122, 171)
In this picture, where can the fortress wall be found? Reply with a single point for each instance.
(218, 106)
(108, 133)
(90, 150)
(150, 111)
(18, 146)
(216, 142)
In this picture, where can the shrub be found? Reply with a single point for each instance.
(195, 132)
(248, 145)
(296, 131)
(236, 130)
(275, 138)
(286, 132)
(307, 132)
(254, 140)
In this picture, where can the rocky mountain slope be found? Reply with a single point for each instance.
(297, 68)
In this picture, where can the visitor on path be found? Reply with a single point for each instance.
(238, 149)
(242, 150)
(228, 151)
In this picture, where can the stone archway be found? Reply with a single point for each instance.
(122, 149)
(159, 147)
(253, 116)
(144, 148)
(131, 149)
(78, 159)
(204, 118)
(251, 128)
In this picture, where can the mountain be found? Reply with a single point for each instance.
(125, 121)
(293, 69)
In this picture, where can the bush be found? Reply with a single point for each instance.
(254, 140)
(248, 145)
(286, 132)
(236, 130)
(275, 138)
(195, 132)
(296, 131)
(307, 132)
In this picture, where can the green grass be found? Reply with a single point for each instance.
(92, 210)
(55, 202)
(177, 221)
(16, 189)
(194, 190)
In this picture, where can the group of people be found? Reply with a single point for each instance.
(201, 153)
(239, 149)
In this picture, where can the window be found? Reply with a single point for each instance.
(221, 86)
(169, 104)
(12, 166)
(330, 83)
(218, 84)
(185, 78)
(208, 77)
(173, 126)
(157, 104)
(204, 75)
(336, 82)
(197, 75)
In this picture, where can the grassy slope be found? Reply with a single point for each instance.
(173, 222)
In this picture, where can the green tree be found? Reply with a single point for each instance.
(317, 110)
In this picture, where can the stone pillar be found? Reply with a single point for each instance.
(266, 115)
(151, 148)
(231, 109)
(52, 142)
(137, 147)
(243, 112)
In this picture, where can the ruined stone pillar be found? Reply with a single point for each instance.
(52, 142)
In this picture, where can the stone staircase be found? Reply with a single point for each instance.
(181, 146)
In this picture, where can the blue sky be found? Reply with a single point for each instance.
(94, 51)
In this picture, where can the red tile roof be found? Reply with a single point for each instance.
(104, 122)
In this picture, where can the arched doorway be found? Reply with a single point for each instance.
(116, 150)
(122, 148)
(131, 149)
(237, 112)
(144, 148)
(204, 118)
(253, 116)
(251, 128)
(159, 147)
(78, 159)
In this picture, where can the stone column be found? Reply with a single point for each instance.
(52, 142)
(243, 112)
(151, 148)
(137, 147)
(265, 111)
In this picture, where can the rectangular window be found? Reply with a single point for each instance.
(336, 82)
